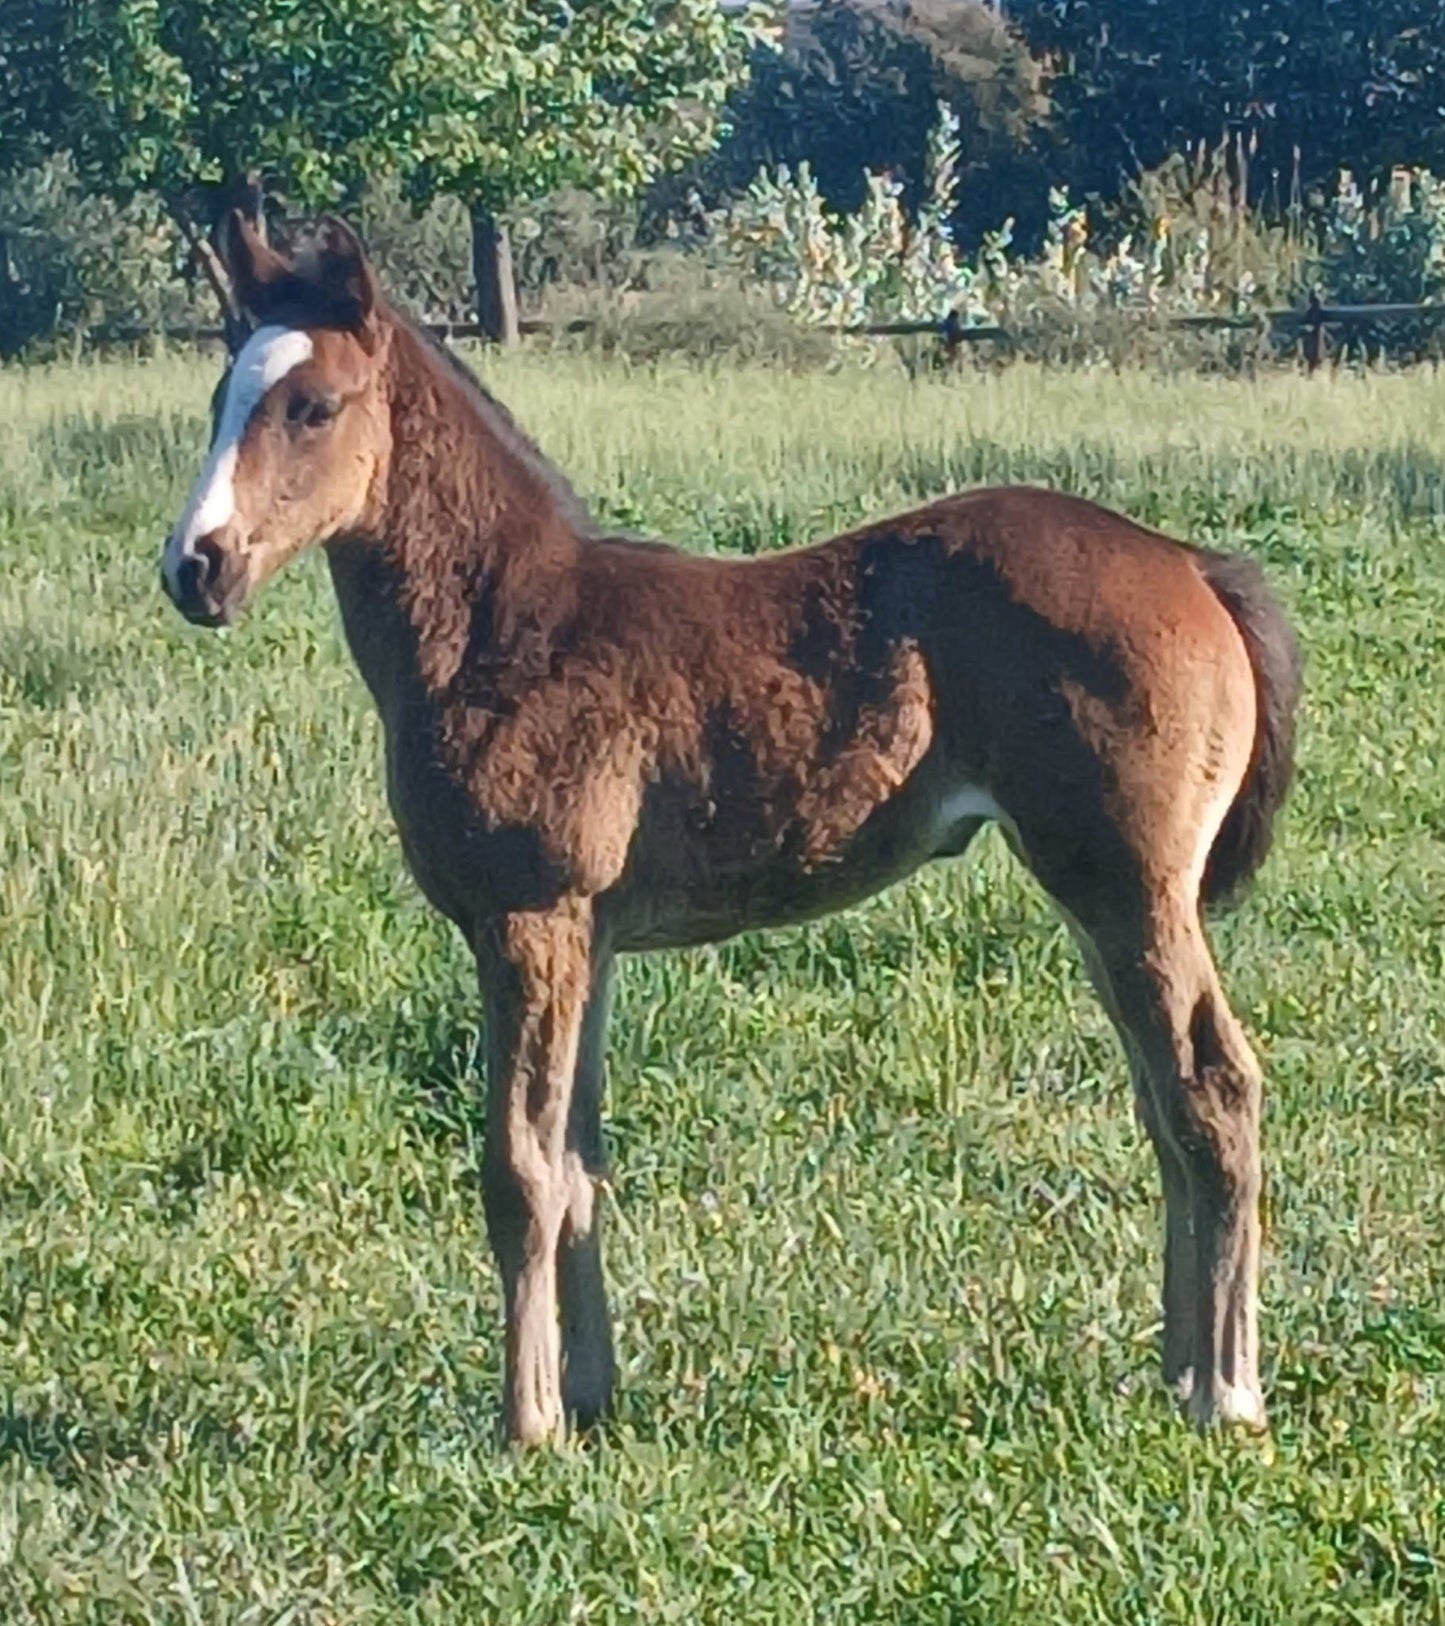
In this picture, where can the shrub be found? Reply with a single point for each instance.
(71, 261)
(1392, 252)
(1184, 245)
(572, 239)
(1183, 242)
(680, 305)
(872, 265)
(425, 258)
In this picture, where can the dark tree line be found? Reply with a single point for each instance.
(1354, 83)
(1087, 93)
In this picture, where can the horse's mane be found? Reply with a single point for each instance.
(505, 426)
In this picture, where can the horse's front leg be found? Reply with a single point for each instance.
(536, 974)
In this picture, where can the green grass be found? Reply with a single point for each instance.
(884, 1235)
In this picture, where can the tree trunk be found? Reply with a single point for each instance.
(249, 196)
(208, 262)
(13, 332)
(492, 272)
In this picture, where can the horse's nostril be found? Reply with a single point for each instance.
(191, 576)
(198, 570)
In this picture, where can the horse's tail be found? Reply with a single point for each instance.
(1244, 837)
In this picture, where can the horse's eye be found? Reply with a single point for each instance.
(311, 411)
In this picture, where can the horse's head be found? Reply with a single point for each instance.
(300, 429)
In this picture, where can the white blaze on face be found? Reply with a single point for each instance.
(262, 362)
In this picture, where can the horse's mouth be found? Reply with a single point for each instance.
(200, 615)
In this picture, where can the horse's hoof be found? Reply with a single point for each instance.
(1236, 1405)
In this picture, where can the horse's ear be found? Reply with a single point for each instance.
(346, 276)
(255, 269)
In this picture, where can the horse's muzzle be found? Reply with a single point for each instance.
(202, 586)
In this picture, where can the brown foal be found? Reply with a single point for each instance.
(596, 745)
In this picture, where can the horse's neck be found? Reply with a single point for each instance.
(473, 551)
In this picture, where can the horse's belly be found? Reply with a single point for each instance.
(684, 888)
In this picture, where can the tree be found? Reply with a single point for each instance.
(490, 100)
(193, 101)
(856, 88)
(1343, 82)
(29, 80)
(604, 95)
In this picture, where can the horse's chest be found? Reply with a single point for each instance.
(466, 864)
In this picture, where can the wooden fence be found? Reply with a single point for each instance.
(1309, 323)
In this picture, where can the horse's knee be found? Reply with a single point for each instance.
(527, 1197)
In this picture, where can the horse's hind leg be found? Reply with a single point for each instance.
(1200, 1100)
(1180, 1287)
(588, 1363)
(1181, 1291)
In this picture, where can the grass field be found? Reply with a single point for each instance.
(884, 1235)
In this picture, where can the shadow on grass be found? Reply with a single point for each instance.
(439, 1053)
(68, 1447)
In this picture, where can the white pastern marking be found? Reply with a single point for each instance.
(1229, 1403)
(262, 362)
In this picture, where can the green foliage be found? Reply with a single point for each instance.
(883, 1234)
(571, 250)
(607, 95)
(1352, 82)
(30, 31)
(171, 95)
(854, 90)
(1392, 251)
(488, 101)
(677, 308)
(574, 238)
(69, 260)
(423, 255)
(1186, 242)
(1206, 239)
(1188, 250)
(874, 264)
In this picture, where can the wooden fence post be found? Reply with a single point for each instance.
(1314, 332)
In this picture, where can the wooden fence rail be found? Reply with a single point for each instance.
(1311, 322)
